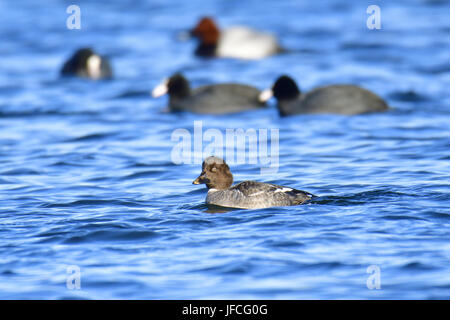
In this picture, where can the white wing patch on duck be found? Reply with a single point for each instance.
(283, 190)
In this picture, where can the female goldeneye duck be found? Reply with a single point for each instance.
(235, 42)
(245, 195)
(209, 99)
(338, 99)
(86, 63)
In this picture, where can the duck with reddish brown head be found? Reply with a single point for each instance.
(208, 35)
(217, 177)
(234, 42)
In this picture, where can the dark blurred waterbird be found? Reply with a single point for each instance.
(338, 99)
(86, 63)
(212, 99)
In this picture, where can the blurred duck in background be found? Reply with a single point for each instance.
(235, 42)
(211, 99)
(337, 99)
(86, 63)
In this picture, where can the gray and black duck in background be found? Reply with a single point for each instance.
(333, 99)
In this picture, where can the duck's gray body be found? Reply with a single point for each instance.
(337, 99)
(255, 195)
(219, 99)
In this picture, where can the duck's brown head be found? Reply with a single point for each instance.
(215, 174)
(207, 32)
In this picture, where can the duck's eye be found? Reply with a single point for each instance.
(214, 169)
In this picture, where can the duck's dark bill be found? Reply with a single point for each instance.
(200, 180)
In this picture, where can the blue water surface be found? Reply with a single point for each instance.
(88, 183)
